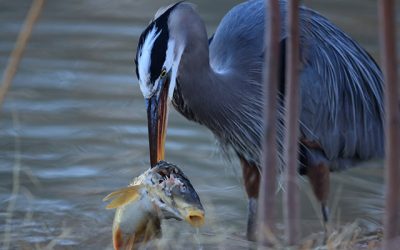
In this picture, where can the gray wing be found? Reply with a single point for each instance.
(237, 47)
(342, 99)
(341, 85)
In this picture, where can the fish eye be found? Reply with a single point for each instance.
(183, 188)
(163, 73)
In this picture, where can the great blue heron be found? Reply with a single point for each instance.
(217, 82)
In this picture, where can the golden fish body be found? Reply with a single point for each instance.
(161, 192)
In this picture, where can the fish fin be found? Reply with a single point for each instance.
(123, 196)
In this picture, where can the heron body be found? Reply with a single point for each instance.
(218, 83)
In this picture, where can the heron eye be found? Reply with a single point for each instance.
(163, 73)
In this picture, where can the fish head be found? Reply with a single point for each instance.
(162, 191)
(174, 196)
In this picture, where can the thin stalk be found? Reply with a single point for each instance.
(291, 146)
(269, 159)
(20, 45)
(392, 125)
(16, 185)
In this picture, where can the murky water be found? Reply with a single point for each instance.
(73, 128)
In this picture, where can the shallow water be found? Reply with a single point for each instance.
(73, 128)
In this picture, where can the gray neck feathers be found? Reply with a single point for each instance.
(218, 99)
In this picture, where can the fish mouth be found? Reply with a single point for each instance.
(195, 217)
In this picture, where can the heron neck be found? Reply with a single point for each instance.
(201, 90)
(202, 93)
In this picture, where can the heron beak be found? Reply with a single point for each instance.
(157, 116)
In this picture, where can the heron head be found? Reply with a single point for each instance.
(157, 61)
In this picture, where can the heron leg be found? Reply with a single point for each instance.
(251, 179)
(319, 179)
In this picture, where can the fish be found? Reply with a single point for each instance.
(161, 192)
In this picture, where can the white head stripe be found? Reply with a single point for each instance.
(144, 61)
(174, 73)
